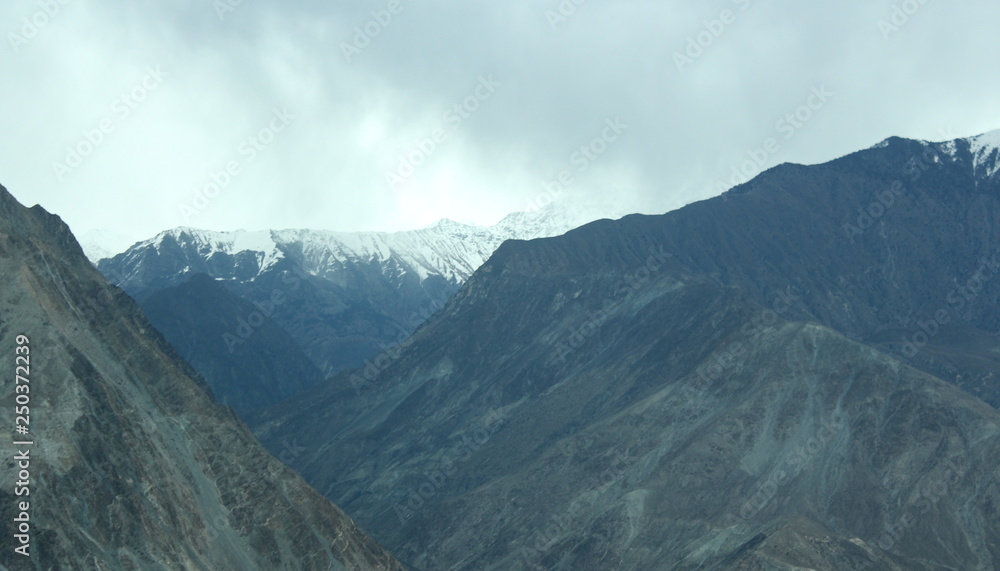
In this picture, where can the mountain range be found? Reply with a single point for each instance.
(798, 374)
(795, 375)
(340, 299)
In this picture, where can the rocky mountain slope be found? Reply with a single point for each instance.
(133, 465)
(342, 298)
(727, 386)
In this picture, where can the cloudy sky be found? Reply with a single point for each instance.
(139, 116)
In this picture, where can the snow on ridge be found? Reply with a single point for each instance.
(985, 149)
(447, 248)
(989, 139)
(208, 242)
(950, 147)
(986, 152)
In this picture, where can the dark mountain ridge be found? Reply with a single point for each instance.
(931, 245)
(693, 390)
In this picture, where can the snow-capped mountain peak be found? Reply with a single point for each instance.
(449, 249)
(261, 243)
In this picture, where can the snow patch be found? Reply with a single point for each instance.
(986, 152)
(881, 145)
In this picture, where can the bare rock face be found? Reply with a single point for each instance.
(133, 465)
(723, 387)
(687, 432)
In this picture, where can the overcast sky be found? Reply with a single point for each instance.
(341, 115)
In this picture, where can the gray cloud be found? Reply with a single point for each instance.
(559, 82)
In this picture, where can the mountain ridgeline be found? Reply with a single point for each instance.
(788, 376)
(339, 298)
(129, 461)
